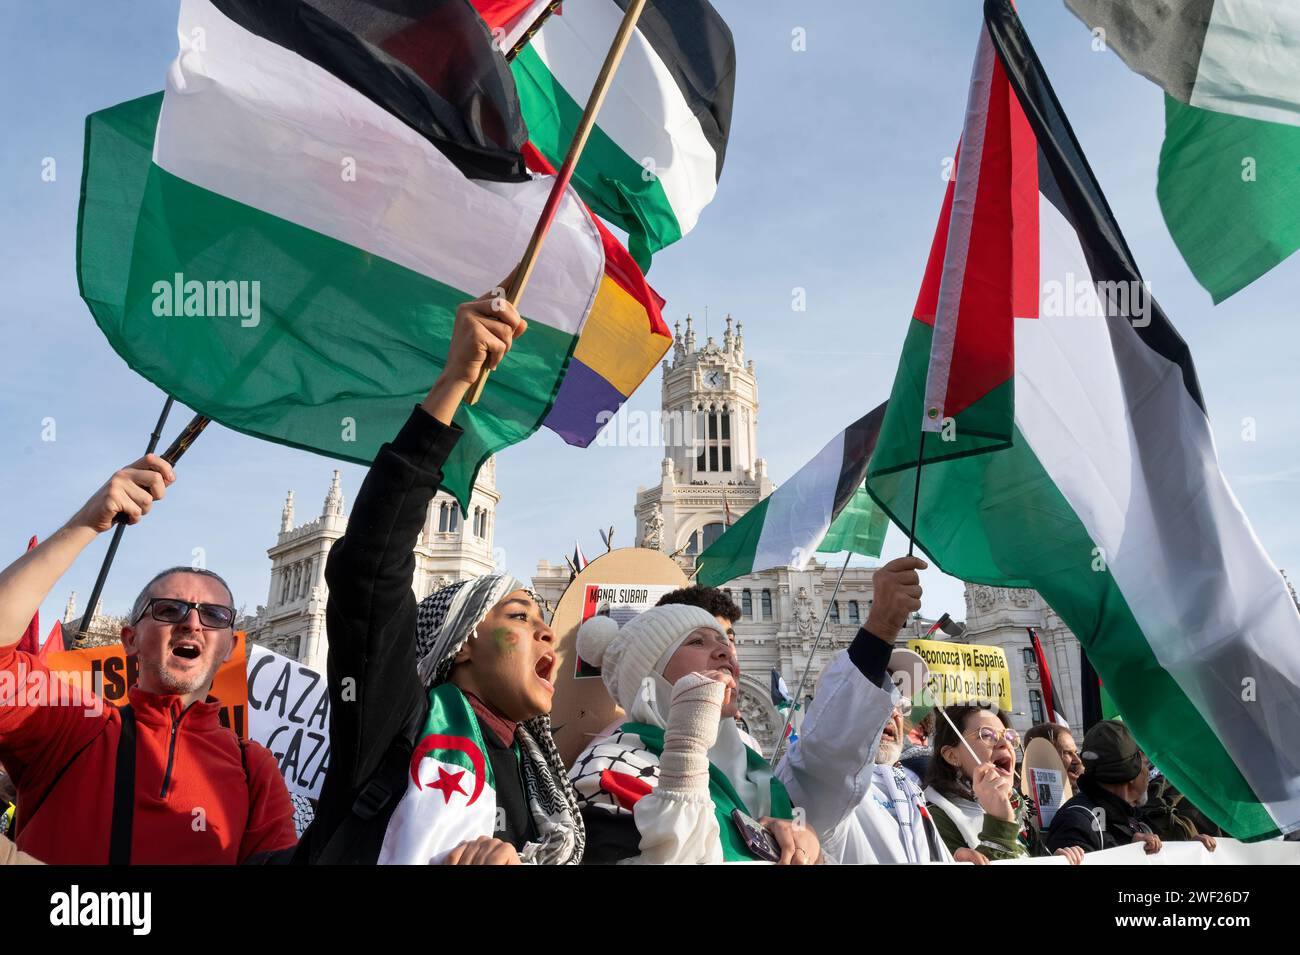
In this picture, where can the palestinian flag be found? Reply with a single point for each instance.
(1108, 498)
(822, 509)
(281, 238)
(1229, 182)
(654, 159)
(1050, 708)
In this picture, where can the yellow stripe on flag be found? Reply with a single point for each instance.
(616, 342)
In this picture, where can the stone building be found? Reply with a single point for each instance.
(292, 622)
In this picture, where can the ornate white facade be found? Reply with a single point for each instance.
(997, 616)
(449, 549)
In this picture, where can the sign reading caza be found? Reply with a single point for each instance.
(289, 714)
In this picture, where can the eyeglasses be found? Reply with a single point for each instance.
(172, 610)
(988, 734)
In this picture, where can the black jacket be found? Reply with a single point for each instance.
(1094, 819)
(377, 703)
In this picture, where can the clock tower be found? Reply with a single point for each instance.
(711, 473)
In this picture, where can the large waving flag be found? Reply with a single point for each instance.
(1108, 498)
(655, 157)
(1229, 181)
(281, 238)
(822, 509)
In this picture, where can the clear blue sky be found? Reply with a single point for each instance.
(832, 184)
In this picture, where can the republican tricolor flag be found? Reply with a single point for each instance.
(1070, 451)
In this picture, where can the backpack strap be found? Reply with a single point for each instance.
(123, 825)
(386, 785)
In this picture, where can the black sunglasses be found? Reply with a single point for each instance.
(172, 610)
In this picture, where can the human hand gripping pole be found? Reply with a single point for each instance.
(515, 288)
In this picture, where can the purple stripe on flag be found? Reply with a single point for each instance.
(583, 395)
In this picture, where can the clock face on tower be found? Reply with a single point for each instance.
(713, 379)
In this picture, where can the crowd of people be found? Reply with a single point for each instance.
(423, 693)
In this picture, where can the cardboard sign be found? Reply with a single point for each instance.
(965, 673)
(582, 706)
(1043, 776)
(620, 602)
(289, 714)
(111, 670)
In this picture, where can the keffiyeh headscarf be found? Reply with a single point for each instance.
(444, 621)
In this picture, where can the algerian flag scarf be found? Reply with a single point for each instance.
(1075, 456)
(451, 796)
(1229, 183)
(280, 240)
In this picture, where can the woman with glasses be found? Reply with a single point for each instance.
(970, 784)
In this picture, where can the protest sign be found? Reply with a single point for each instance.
(289, 714)
(621, 583)
(113, 673)
(965, 673)
(1043, 777)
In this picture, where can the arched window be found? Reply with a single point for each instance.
(454, 521)
(747, 604)
(1036, 712)
(854, 618)
(713, 438)
(710, 533)
(285, 574)
(442, 518)
(835, 611)
(767, 605)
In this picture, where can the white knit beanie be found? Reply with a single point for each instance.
(629, 654)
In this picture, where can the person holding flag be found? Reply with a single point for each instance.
(123, 785)
(842, 769)
(441, 748)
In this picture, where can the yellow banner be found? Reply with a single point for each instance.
(965, 673)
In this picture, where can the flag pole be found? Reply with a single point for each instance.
(798, 694)
(916, 494)
(79, 640)
(519, 281)
(531, 32)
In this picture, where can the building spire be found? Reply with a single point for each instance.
(286, 515)
(690, 335)
(334, 499)
(70, 608)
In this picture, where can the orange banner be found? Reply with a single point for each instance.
(119, 672)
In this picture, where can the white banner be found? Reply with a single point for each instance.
(289, 714)
(1226, 852)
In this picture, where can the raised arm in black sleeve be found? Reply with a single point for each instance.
(370, 615)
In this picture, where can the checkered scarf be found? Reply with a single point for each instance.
(444, 621)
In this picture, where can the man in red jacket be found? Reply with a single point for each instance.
(160, 781)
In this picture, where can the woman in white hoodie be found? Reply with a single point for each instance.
(665, 785)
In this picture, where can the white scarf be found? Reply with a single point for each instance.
(966, 814)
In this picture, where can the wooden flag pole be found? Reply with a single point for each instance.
(515, 290)
(120, 525)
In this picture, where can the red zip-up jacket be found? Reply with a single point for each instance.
(193, 805)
